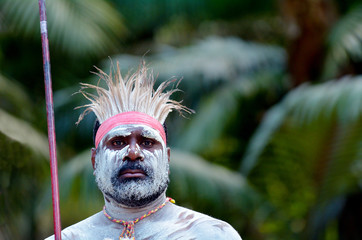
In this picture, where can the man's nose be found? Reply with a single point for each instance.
(133, 153)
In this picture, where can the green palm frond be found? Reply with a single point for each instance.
(23, 167)
(211, 189)
(340, 100)
(218, 59)
(306, 154)
(212, 60)
(21, 132)
(75, 27)
(14, 99)
(344, 43)
(216, 111)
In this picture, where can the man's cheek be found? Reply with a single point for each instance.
(111, 157)
(154, 157)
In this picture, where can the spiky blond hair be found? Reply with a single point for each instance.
(133, 93)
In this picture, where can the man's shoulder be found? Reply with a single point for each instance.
(81, 229)
(203, 226)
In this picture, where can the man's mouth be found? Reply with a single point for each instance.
(132, 173)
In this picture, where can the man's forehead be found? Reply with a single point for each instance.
(126, 130)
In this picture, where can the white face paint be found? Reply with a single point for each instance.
(135, 191)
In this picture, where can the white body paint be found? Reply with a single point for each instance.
(171, 222)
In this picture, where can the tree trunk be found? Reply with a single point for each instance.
(308, 22)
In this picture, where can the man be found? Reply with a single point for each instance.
(131, 166)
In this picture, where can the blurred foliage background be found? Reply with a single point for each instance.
(275, 146)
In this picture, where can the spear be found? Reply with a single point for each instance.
(50, 120)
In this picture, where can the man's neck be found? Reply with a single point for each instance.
(123, 212)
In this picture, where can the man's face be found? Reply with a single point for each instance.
(131, 165)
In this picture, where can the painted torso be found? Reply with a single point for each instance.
(171, 223)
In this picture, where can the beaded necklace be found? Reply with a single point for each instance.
(128, 230)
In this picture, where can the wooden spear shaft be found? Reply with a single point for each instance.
(50, 120)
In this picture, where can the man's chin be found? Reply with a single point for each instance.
(136, 192)
(135, 200)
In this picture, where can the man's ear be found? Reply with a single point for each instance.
(169, 154)
(93, 157)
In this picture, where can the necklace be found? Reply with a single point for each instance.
(128, 230)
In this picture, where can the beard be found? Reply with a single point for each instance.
(134, 192)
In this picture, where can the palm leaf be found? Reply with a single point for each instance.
(14, 99)
(216, 111)
(23, 167)
(344, 43)
(209, 61)
(306, 104)
(21, 132)
(216, 58)
(79, 28)
(310, 143)
(211, 189)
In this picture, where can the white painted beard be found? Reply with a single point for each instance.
(133, 192)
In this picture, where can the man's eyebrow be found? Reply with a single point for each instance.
(116, 134)
(148, 134)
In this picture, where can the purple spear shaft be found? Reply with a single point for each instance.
(50, 120)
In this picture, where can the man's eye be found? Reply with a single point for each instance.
(117, 143)
(147, 143)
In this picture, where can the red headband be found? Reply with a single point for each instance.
(129, 118)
